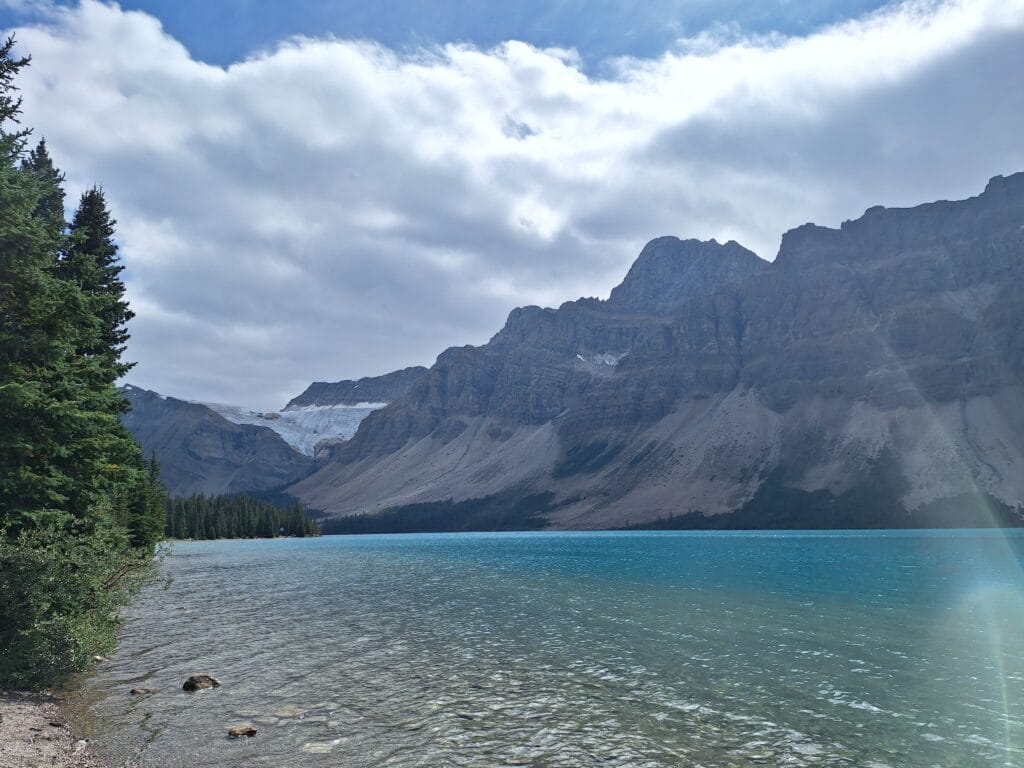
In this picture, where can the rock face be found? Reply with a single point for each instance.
(201, 452)
(372, 389)
(871, 375)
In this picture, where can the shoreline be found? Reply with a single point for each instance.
(36, 730)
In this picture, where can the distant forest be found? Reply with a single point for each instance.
(236, 517)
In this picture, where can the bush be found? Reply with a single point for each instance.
(59, 601)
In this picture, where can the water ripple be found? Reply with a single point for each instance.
(576, 650)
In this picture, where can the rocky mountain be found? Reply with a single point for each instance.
(871, 375)
(368, 390)
(202, 452)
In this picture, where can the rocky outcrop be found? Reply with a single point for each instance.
(874, 366)
(201, 452)
(371, 389)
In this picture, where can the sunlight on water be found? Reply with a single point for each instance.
(627, 649)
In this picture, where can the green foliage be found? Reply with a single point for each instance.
(50, 207)
(91, 263)
(236, 517)
(59, 597)
(79, 507)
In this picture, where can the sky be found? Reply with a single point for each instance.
(316, 190)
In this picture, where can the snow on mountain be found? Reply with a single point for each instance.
(302, 427)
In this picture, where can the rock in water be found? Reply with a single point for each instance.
(200, 682)
(244, 730)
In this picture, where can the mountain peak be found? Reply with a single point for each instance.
(669, 271)
(1012, 184)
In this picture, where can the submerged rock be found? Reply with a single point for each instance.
(201, 682)
(242, 730)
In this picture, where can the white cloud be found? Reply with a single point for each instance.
(332, 209)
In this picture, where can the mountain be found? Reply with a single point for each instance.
(368, 390)
(870, 376)
(202, 452)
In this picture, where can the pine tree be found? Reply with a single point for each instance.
(91, 262)
(235, 517)
(40, 317)
(80, 511)
(50, 207)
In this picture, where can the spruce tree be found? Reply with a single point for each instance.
(80, 511)
(50, 207)
(91, 262)
(40, 318)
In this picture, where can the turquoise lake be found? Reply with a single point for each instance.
(577, 649)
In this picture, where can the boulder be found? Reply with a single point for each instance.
(200, 682)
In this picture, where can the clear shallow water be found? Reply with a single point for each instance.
(612, 649)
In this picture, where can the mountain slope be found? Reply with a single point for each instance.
(201, 452)
(871, 370)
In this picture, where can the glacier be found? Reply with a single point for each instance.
(302, 427)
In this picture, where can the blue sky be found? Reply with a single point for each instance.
(224, 31)
(400, 178)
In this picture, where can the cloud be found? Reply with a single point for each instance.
(331, 208)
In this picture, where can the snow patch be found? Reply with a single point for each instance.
(133, 388)
(601, 358)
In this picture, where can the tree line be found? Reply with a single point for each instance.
(235, 517)
(81, 509)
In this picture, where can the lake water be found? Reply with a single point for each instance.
(577, 649)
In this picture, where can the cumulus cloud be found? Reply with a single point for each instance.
(331, 208)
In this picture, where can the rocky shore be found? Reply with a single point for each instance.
(34, 732)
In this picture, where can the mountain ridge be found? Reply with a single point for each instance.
(367, 390)
(202, 452)
(223, 448)
(708, 372)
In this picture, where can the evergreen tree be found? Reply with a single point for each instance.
(235, 517)
(40, 317)
(80, 510)
(50, 207)
(91, 262)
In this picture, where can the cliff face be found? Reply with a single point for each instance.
(371, 389)
(877, 366)
(201, 452)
